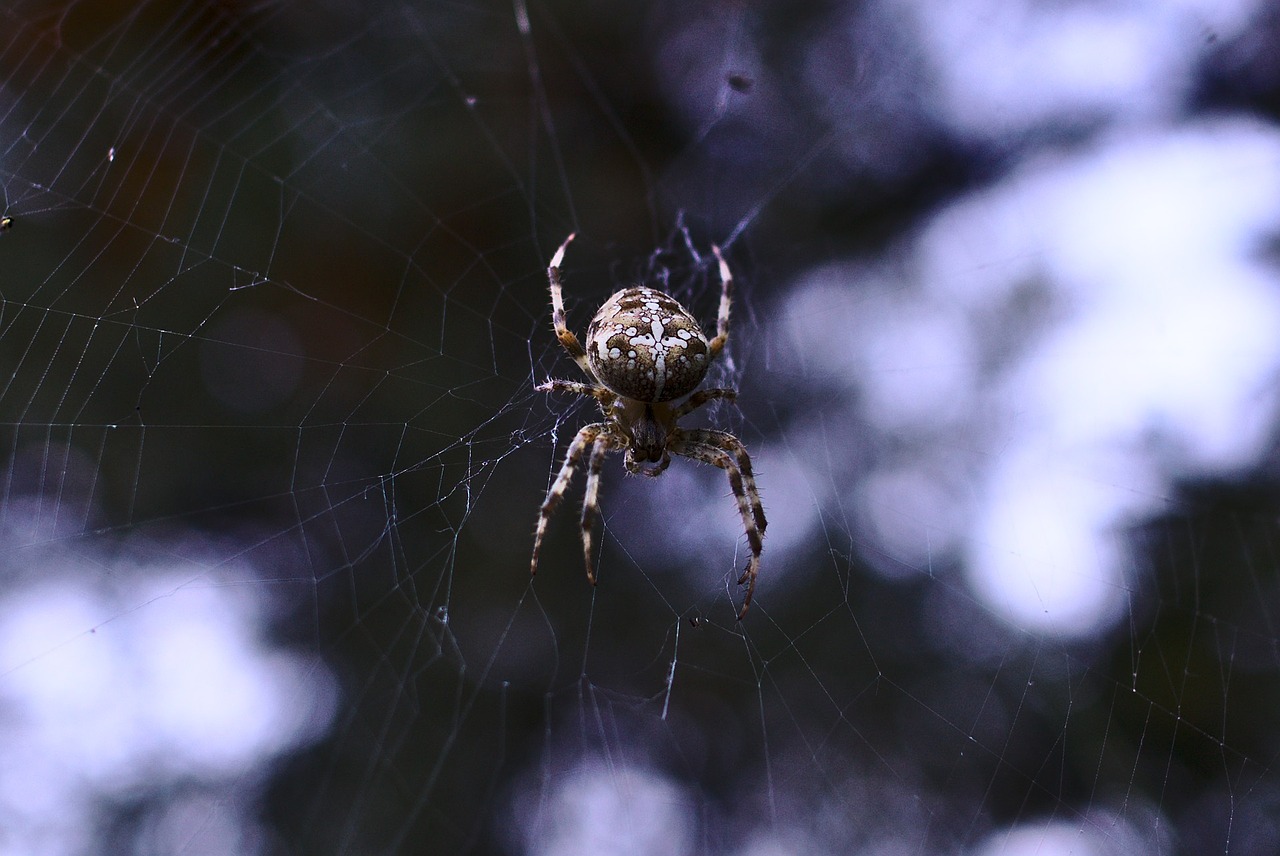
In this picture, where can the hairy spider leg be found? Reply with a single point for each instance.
(722, 450)
(591, 502)
(585, 437)
(558, 321)
(599, 393)
(726, 297)
(731, 444)
(700, 398)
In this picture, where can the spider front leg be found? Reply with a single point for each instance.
(567, 339)
(726, 299)
(584, 439)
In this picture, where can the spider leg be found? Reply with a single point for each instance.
(731, 444)
(726, 298)
(591, 503)
(700, 398)
(722, 450)
(599, 393)
(563, 333)
(585, 438)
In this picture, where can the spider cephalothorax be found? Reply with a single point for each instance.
(644, 350)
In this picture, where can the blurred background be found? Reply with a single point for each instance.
(1006, 335)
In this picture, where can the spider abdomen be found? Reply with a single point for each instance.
(645, 346)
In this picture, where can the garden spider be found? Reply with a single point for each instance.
(643, 351)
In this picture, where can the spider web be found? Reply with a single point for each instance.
(1006, 333)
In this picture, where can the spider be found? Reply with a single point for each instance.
(644, 350)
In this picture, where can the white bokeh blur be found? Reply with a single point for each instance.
(1047, 357)
(1014, 385)
(1004, 68)
(620, 809)
(124, 681)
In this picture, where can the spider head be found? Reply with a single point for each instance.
(647, 427)
(648, 438)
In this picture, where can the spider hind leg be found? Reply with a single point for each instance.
(727, 452)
